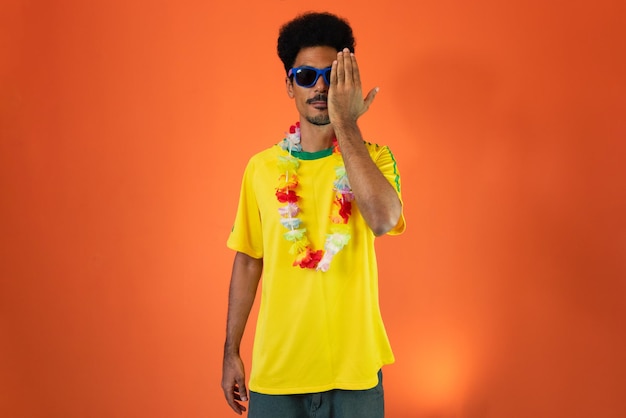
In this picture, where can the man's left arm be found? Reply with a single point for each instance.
(378, 200)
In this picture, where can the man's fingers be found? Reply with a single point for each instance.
(238, 408)
(348, 59)
(356, 75)
(243, 392)
(235, 393)
(242, 395)
(232, 397)
(340, 68)
(370, 97)
(333, 74)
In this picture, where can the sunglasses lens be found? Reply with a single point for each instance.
(327, 76)
(305, 77)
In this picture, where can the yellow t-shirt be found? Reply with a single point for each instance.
(316, 331)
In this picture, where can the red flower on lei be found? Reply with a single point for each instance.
(308, 259)
(285, 196)
(345, 208)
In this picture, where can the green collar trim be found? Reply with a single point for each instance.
(303, 155)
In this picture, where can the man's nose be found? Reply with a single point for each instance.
(320, 84)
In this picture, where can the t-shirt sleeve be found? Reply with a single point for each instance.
(246, 235)
(387, 164)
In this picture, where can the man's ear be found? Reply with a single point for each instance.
(289, 86)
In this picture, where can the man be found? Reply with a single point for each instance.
(309, 211)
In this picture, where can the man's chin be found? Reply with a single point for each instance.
(319, 120)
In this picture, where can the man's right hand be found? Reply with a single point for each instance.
(234, 382)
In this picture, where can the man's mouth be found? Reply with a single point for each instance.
(321, 100)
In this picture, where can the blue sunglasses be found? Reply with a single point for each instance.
(308, 76)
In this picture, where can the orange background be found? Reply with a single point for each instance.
(124, 130)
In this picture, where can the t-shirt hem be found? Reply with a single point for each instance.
(363, 385)
(315, 389)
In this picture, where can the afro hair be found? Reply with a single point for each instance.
(313, 29)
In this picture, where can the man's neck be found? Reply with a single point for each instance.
(314, 138)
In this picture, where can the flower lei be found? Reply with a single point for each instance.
(339, 235)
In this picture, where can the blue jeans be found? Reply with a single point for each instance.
(334, 403)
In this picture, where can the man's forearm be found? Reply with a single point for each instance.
(243, 287)
(378, 201)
